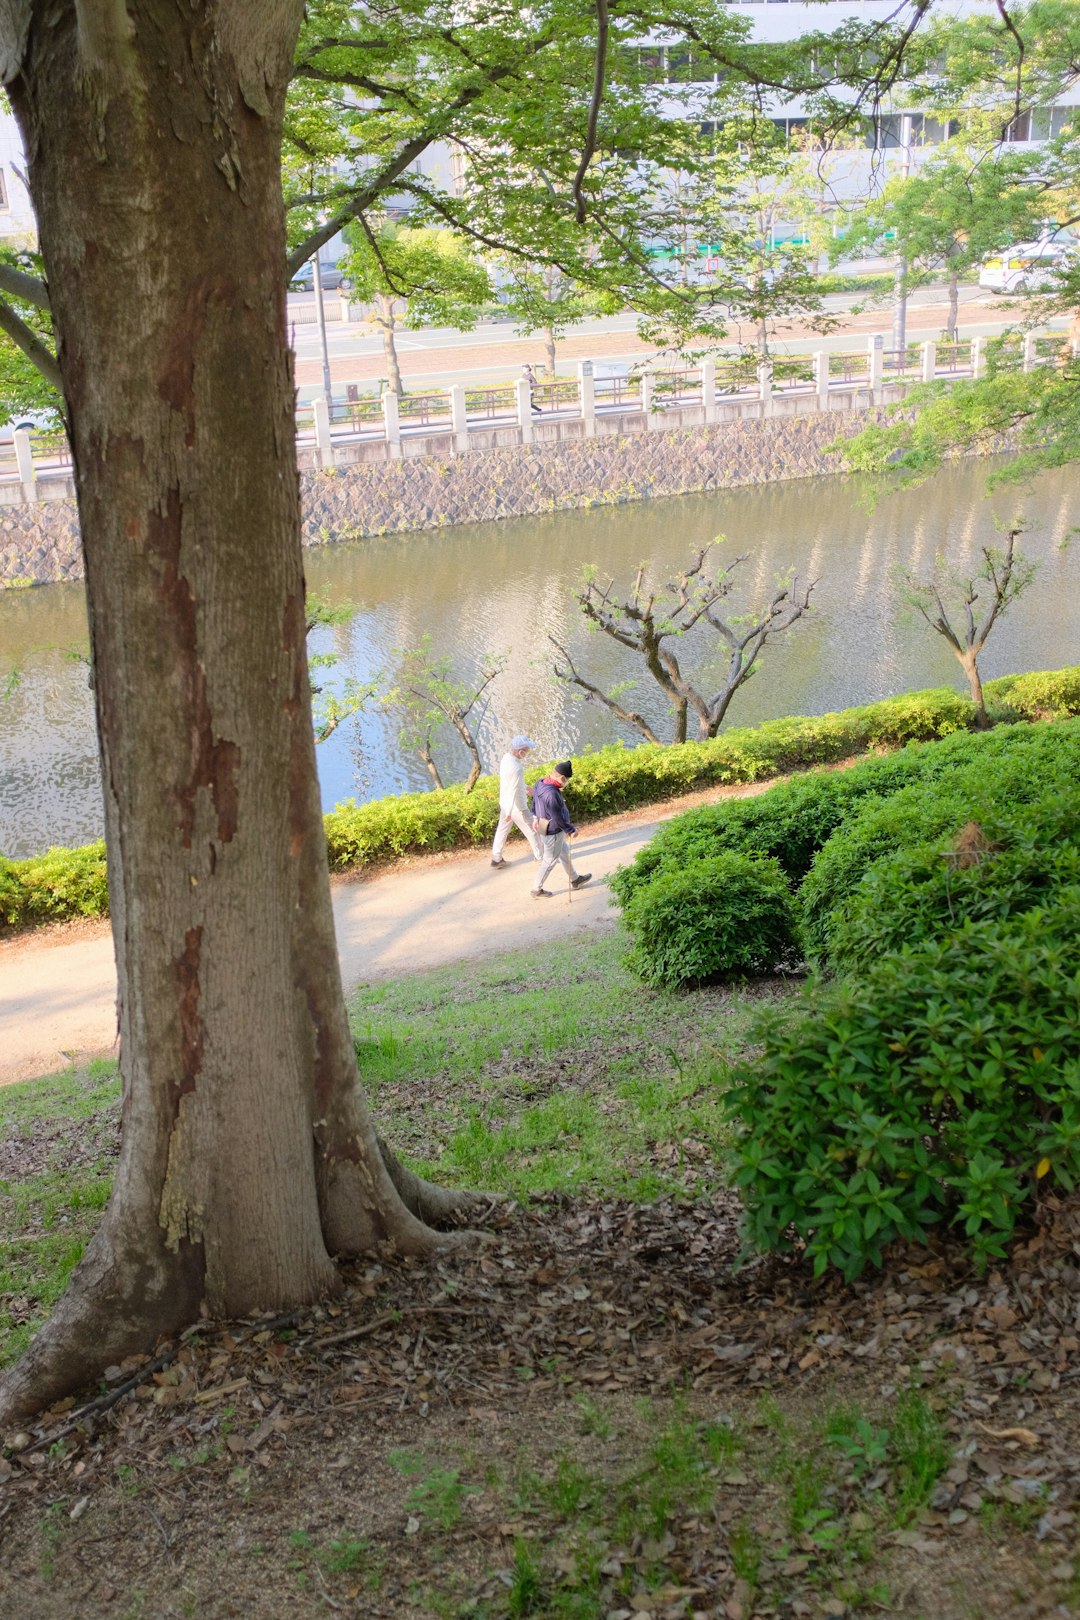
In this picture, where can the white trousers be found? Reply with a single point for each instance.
(502, 832)
(556, 847)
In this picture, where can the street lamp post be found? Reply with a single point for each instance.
(320, 316)
(899, 327)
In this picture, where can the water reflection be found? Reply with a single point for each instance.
(508, 586)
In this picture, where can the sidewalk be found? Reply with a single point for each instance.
(58, 987)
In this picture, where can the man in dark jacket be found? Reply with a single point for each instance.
(553, 823)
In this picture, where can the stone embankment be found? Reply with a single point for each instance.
(39, 543)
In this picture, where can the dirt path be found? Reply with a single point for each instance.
(58, 985)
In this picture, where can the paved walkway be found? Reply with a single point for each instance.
(58, 986)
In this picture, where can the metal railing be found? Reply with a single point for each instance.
(740, 386)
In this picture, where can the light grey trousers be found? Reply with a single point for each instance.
(556, 847)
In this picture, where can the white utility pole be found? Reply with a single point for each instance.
(899, 322)
(320, 316)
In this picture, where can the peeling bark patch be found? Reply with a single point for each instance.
(176, 378)
(224, 784)
(214, 761)
(187, 976)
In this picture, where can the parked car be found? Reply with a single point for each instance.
(1023, 267)
(304, 279)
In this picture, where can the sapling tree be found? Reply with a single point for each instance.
(349, 697)
(428, 701)
(964, 610)
(545, 299)
(650, 621)
(414, 277)
(954, 210)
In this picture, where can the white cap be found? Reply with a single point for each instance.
(521, 742)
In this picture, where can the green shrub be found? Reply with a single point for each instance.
(978, 779)
(1017, 860)
(940, 1087)
(1041, 695)
(720, 918)
(792, 821)
(60, 884)
(789, 823)
(411, 823)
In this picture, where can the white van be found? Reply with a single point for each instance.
(1023, 267)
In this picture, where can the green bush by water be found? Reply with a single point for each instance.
(67, 883)
(56, 886)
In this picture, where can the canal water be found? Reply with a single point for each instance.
(507, 587)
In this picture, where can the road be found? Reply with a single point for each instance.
(436, 356)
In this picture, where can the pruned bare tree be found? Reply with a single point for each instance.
(427, 699)
(651, 619)
(610, 700)
(1005, 574)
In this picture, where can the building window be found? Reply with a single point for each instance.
(3, 189)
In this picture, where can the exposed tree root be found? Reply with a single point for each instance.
(108, 1312)
(438, 1207)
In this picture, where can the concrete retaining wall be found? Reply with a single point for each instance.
(39, 544)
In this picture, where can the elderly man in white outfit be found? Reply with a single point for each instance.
(513, 805)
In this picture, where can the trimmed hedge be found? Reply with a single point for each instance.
(795, 821)
(992, 774)
(54, 887)
(1020, 859)
(721, 918)
(70, 883)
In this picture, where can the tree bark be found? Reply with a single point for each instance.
(388, 325)
(954, 304)
(970, 665)
(549, 350)
(248, 1157)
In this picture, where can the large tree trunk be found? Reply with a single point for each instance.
(248, 1158)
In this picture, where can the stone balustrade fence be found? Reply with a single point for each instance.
(461, 419)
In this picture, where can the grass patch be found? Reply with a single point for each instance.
(57, 1144)
(555, 1072)
(794, 1504)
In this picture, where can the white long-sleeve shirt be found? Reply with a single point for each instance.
(512, 784)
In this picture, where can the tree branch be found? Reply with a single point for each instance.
(593, 694)
(18, 284)
(589, 149)
(31, 345)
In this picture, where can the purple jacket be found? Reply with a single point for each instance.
(548, 802)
